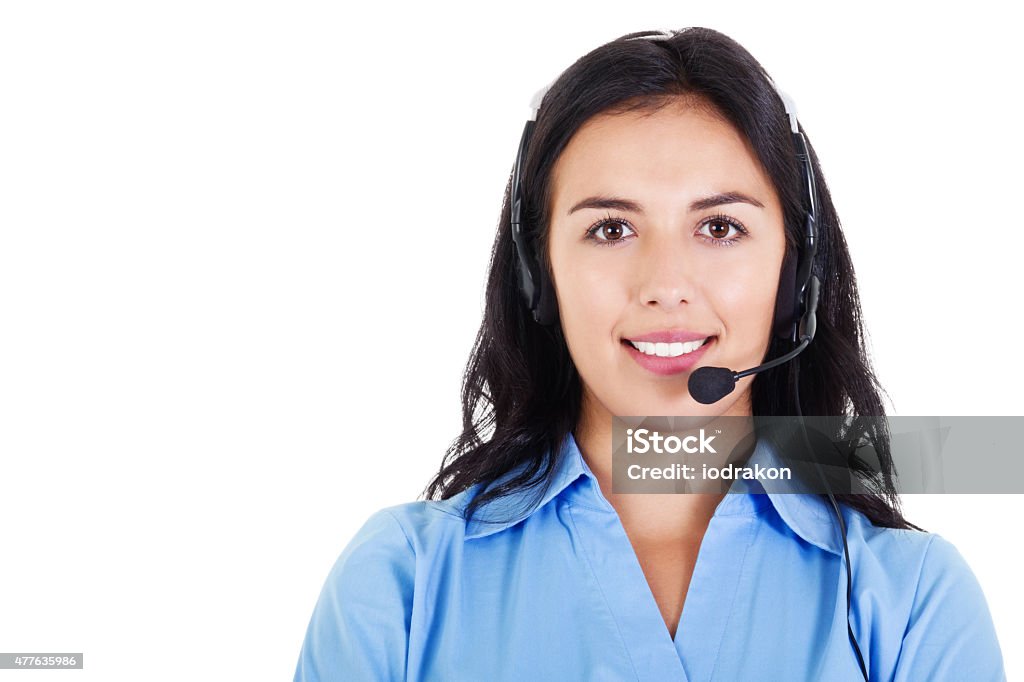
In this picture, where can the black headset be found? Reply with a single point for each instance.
(796, 302)
(534, 282)
(797, 299)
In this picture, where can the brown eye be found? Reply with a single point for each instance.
(716, 231)
(719, 228)
(609, 231)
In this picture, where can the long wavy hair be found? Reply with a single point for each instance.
(521, 392)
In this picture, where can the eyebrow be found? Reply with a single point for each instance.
(701, 204)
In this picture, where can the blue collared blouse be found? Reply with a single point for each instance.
(557, 593)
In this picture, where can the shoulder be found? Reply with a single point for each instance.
(915, 559)
(393, 537)
(950, 633)
(429, 524)
(901, 552)
(936, 607)
(360, 627)
(386, 546)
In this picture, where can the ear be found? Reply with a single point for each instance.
(786, 314)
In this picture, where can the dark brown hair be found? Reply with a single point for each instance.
(521, 393)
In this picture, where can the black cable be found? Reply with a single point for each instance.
(838, 514)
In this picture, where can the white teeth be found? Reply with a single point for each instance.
(668, 350)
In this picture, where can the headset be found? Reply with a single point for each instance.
(795, 308)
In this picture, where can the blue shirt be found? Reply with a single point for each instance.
(557, 593)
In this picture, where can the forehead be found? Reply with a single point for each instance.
(684, 148)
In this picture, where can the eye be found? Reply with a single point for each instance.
(609, 230)
(718, 228)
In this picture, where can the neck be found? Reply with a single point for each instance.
(654, 516)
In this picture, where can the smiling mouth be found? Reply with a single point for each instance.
(668, 350)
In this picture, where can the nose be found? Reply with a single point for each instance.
(669, 274)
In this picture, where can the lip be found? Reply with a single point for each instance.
(669, 366)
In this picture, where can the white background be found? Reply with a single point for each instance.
(244, 244)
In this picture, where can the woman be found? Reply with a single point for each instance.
(662, 207)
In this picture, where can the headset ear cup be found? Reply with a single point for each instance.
(535, 285)
(786, 313)
(547, 306)
(524, 279)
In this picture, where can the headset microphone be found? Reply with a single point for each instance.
(710, 384)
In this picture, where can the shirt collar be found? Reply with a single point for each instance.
(807, 515)
(501, 513)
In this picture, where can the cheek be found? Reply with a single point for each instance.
(746, 301)
(590, 302)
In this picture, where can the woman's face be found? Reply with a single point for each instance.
(691, 245)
